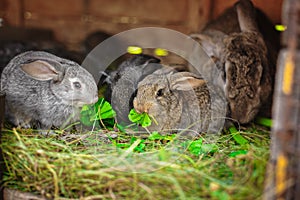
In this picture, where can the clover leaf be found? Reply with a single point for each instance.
(99, 111)
(142, 119)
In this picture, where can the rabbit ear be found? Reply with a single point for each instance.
(207, 43)
(212, 46)
(246, 16)
(258, 75)
(186, 81)
(40, 70)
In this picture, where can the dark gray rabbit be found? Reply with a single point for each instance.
(45, 90)
(246, 55)
(123, 82)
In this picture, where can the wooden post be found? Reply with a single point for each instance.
(2, 100)
(283, 173)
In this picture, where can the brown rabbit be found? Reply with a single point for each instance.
(179, 100)
(244, 56)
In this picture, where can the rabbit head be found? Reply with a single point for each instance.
(43, 88)
(246, 85)
(70, 84)
(174, 100)
(248, 74)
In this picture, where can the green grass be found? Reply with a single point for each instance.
(91, 166)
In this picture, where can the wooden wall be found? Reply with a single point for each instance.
(73, 20)
(271, 7)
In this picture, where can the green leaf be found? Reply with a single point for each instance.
(239, 152)
(121, 128)
(141, 147)
(155, 136)
(134, 116)
(86, 120)
(264, 121)
(221, 195)
(87, 114)
(237, 136)
(195, 147)
(85, 108)
(108, 114)
(146, 121)
(122, 145)
(104, 109)
(139, 118)
(209, 148)
(99, 111)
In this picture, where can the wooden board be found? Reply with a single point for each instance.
(272, 8)
(73, 20)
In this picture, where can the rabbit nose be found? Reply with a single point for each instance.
(140, 108)
(95, 99)
(137, 106)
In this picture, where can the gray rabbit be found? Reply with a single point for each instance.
(246, 54)
(180, 101)
(45, 90)
(123, 82)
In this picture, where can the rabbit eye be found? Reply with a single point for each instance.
(77, 85)
(159, 93)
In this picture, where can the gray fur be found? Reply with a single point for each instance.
(53, 101)
(124, 81)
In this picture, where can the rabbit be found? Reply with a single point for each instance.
(179, 100)
(122, 83)
(44, 90)
(245, 57)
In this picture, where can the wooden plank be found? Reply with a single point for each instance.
(283, 174)
(158, 11)
(53, 9)
(272, 8)
(10, 11)
(2, 165)
(198, 15)
(70, 32)
(72, 26)
(72, 20)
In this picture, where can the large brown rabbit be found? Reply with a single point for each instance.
(244, 45)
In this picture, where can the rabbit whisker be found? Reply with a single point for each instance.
(153, 118)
